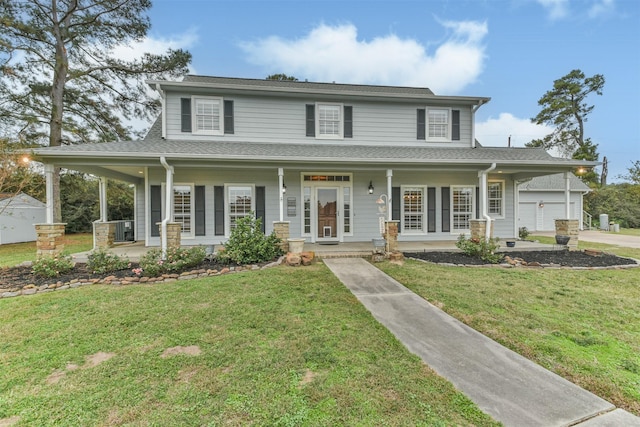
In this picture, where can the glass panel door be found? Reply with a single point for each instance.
(327, 200)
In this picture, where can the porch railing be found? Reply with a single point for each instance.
(586, 220)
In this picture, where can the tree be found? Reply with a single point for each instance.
(633, 174)
(282, 77)
(60, 81)
(565, 108)
(16, 174)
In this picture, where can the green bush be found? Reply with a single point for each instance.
(248, 244)
(177, 260)
(485, 249)
(523, 233)
(101, 261)
(48, 266)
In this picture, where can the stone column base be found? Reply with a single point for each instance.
(479, 228)
(50, 239)
(569, 227)
(174, 238)
(104, 234)
(281, 229)
(391, 235)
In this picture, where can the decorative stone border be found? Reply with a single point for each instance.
(113, 280)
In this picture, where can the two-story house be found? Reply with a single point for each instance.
(332, 160)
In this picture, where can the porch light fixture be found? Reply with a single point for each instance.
(541, 204)
(284, 187)
(370, 187)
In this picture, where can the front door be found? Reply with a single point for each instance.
(327, 214)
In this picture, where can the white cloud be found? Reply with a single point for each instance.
(495, 132)
(557, 9)
(334, 53)
(600, 8)
(155, 45)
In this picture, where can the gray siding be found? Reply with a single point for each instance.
(283, 120)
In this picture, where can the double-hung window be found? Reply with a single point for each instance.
(329, 121)
(495, 199)
(183, 208)
(413, 209)
(241, 203)
(438, 124)
(207, 117)
(462, 208)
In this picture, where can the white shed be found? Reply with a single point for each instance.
(542, 200)
(18, 214)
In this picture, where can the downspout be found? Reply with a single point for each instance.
(483, 191)
(168, 206)
(280, 195)
(473, 122)
(389, 190)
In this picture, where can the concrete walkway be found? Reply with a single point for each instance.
(507, 386)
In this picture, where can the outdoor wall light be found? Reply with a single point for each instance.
(541, 204)
(370, 187)
(284, 187)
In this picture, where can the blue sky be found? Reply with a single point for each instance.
(509, 50)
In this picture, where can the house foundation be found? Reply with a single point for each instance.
(104, 234)
(281, 229)
(569, 227)
(50, 239)
(479, 228)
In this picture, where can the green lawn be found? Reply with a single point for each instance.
(583, 325)
(283, 346)
(15, 253)
(616, 250)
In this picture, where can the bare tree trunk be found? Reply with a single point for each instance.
(605, 171)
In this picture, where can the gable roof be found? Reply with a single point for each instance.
(554, 182)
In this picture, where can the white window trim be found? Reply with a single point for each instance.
(340, 126)
(424, 209)
(227, 208)
(503, 185)
(184, 235)
(473, 208)
(194, 114)
(449, 125)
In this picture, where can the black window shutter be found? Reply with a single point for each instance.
(348, 122)
(422, 123)
(446, 209)
(260, 206)
(477, 202)
(185, 114)
(395, 205)
(218, 201)
(228, 117)
(455, 125)
(431, 209)
(311, 120)
(200, 226)
(155, 197)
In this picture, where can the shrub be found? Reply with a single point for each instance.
(485, 249)
(248, 244)
(48, 266)
(101, 261)
(523, 233)
(177, 259)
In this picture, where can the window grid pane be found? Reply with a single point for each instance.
(239, 204)
(462, 207)
(495, 198)
(413, 209)
(438, 123)
(307, 210)
(207, 115)
(347, 209)
(329, 120)
(182, 207)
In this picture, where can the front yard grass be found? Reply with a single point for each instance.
(583, 324)
(14, 253)
(280, 346)
(612, 249)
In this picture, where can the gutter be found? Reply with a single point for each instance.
(168, 205)
(483, 188)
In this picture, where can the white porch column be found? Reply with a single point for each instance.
(48, 174)
(280, 193)
(389, 190)
(567, 196)
(102, 187)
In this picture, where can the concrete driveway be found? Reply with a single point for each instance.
(610, 238)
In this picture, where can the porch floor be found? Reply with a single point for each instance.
(135, 250)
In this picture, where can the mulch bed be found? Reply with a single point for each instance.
(553, 258)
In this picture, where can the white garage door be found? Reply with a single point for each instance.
(527, 215)
(536, 218)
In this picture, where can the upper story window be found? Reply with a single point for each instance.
(438, 124)
(329, 121)
(207, 117)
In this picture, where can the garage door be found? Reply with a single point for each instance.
(542, 219)
(527, 215)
